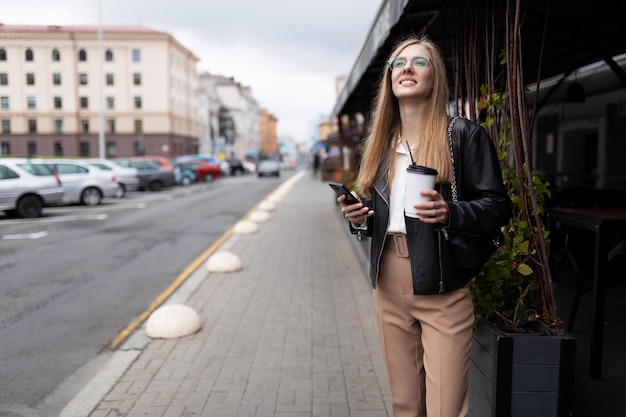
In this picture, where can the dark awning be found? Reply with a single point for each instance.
(578, 35)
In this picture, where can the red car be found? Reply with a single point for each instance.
(206, 171)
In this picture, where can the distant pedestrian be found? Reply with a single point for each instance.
(422, 302)
(316, 162)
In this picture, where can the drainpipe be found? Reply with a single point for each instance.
(76, 97)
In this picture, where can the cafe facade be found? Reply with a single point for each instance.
(576, 88)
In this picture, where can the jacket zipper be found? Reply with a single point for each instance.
(380, 252)
(441, 288)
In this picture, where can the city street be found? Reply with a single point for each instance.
(71, 280)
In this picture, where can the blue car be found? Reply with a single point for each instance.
(184, 174)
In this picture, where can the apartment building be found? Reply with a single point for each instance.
(233, 116)
(63, 92)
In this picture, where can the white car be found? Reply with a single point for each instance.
(27, 185)
(248, 166)
(83, 183)
(127, 177)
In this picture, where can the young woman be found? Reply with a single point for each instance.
(423, 306)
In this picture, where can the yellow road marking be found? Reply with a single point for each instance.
(121, 336)
(169, 291)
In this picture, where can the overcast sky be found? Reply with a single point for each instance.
(288, 51)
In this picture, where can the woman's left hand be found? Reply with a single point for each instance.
(433, 211)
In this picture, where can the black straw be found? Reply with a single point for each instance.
(409, 149)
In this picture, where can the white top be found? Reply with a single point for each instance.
(398, 188)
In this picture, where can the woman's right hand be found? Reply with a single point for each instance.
(355, 213)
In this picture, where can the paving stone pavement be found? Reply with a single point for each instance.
(291, 335)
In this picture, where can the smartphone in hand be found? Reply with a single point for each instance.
(341, 189)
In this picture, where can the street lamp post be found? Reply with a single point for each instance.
(101, 152)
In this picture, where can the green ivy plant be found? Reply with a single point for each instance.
(504, 292)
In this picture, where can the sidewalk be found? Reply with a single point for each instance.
(292, 334)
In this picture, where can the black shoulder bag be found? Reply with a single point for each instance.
(468, 251)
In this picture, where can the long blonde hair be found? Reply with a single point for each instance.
(434, 149)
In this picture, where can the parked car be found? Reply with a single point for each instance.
(236, 166)
(249, 166)
(205, 170)
(268, 168)
(151, 175)
(288, 165)
(26, 186)
(127, 177)
(83, 183)
(223, 165)
(163, 161)
(184, 174)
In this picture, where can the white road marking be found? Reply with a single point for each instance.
(100, 216)
(25, 236)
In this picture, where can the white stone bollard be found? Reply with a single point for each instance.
(224, 262)
(259, 216)
(275, 198)
(245, 227)
(267, 205)
(171, 321)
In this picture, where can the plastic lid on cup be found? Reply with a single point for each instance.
(420, 169)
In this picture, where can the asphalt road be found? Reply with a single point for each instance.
(73, 279)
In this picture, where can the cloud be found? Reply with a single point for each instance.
(288, 52)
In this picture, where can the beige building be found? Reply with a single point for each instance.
(51, 79)
(327, 127)
(267, 128)
(229, 113)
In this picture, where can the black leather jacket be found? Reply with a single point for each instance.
(483, 207)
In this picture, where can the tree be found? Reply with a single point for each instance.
(515, 288)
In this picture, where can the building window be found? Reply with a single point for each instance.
(138, 147)
(136, 55)
(5, 148)
(138, 125)
(109, 79)
(58, 126)
(4, 102)
(111, 150)
(32, 125)
(3, 54)
(58, 148)
(30, 78)
(56, 55)
(110, 103)
(82, 55)
(31, 102)
(84, 126)
(56, 78)
(84, 149)
(58, 103)
(84, 102)
(4, 78)
(137, 79)
(32, 148)
(29, 55)
(111, 125)
(108, 55)
(82, 78)
(6, 126)
(137, 102)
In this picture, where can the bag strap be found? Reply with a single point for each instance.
(455, 194)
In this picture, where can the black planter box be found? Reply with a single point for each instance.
(515, 375)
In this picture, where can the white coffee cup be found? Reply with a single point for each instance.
(418, 178)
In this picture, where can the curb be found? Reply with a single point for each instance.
(96, 389)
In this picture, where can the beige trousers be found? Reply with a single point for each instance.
(426, 342)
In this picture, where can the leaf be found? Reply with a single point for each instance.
(524, 269)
